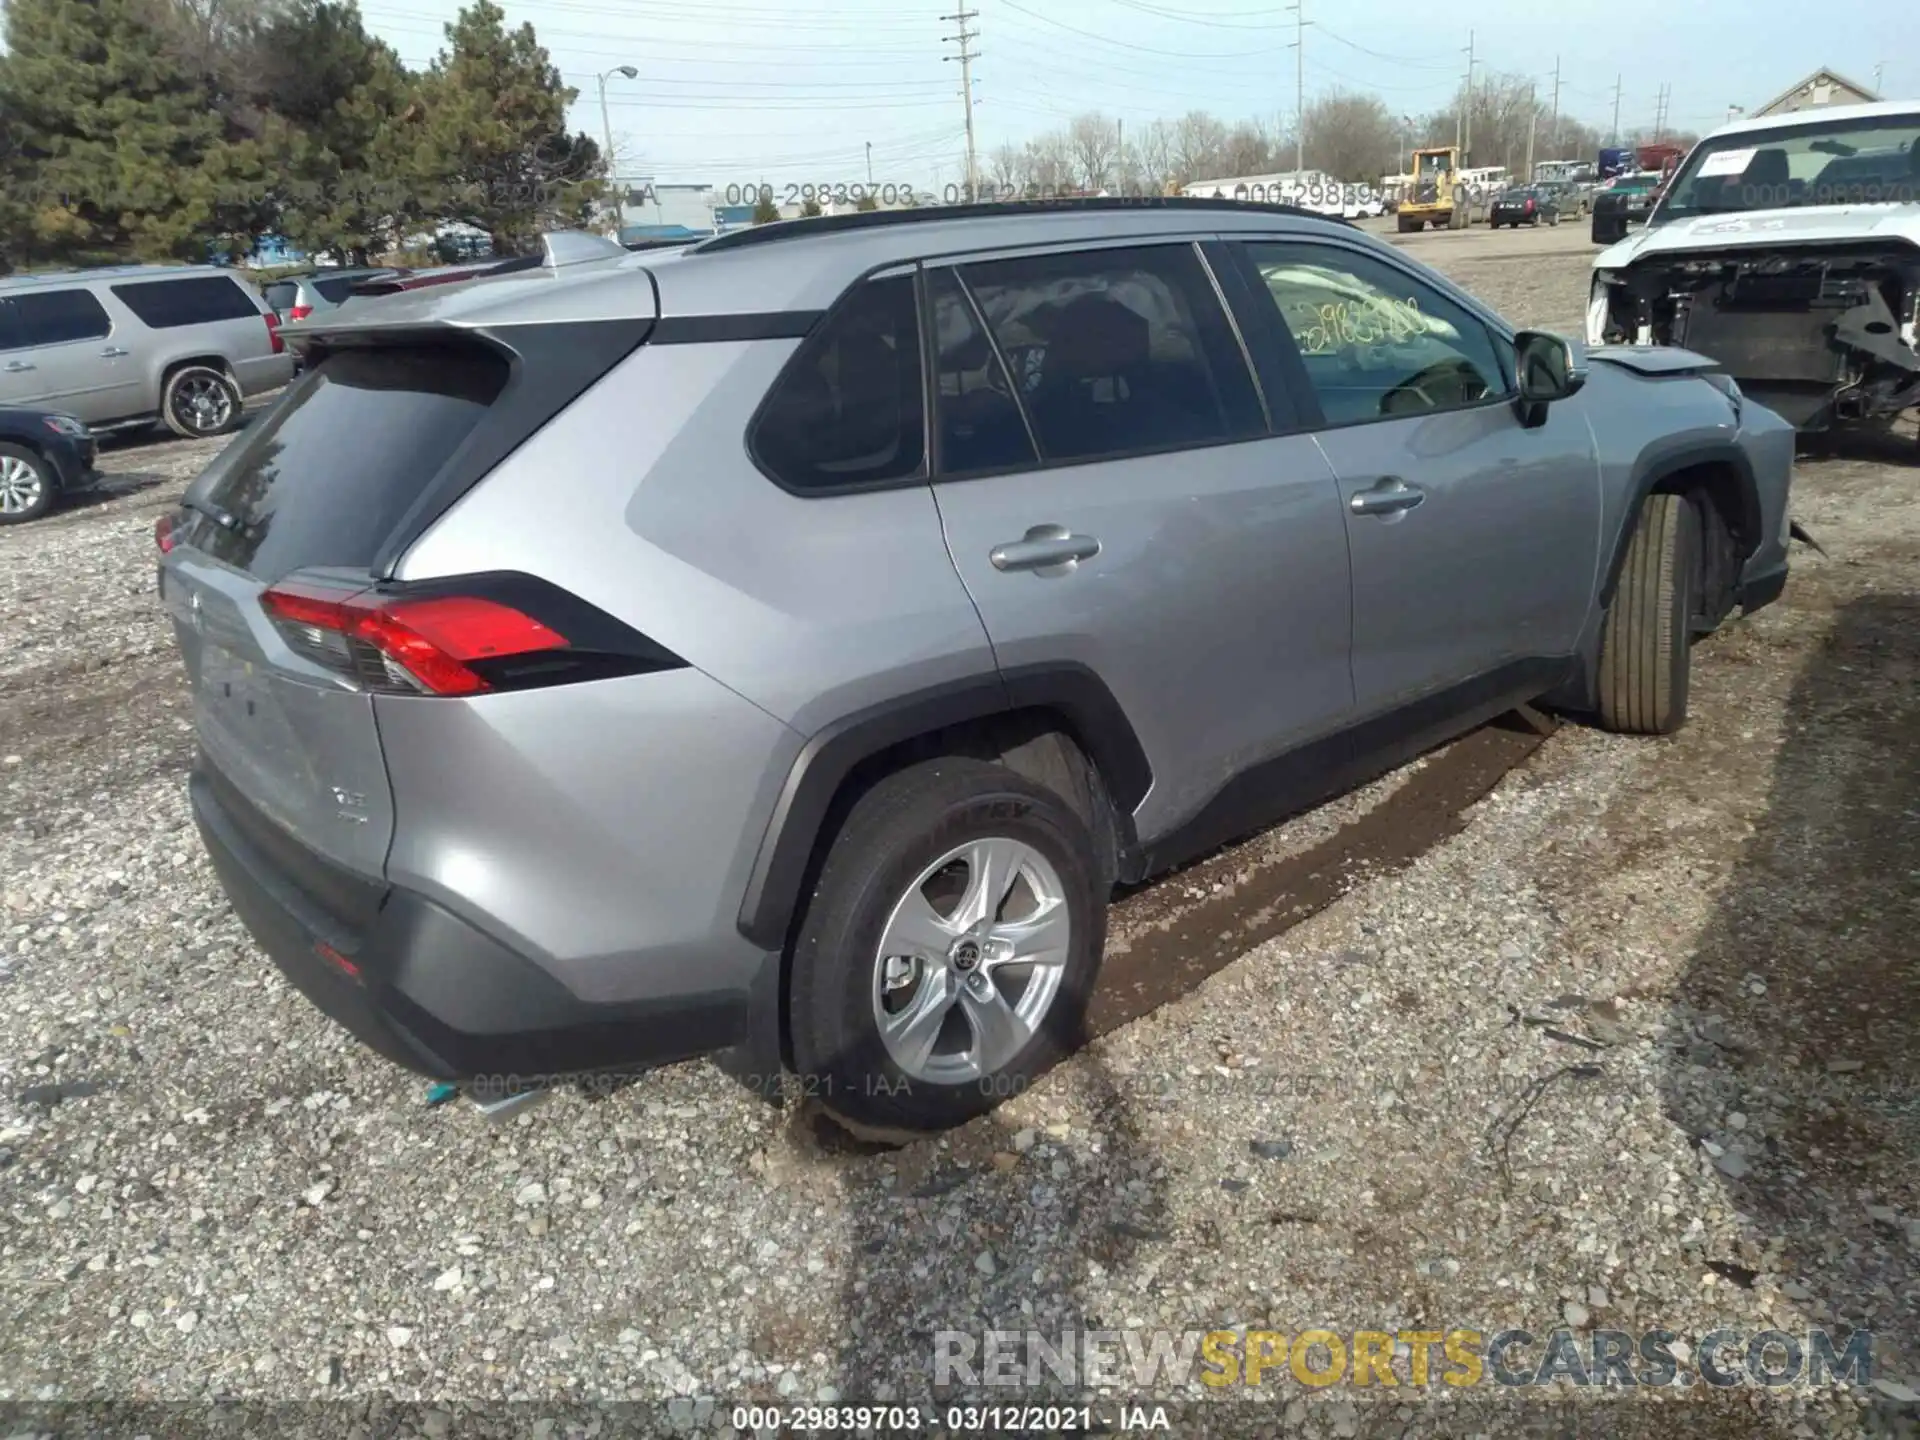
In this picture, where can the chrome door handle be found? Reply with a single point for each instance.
(1044, 546)
(112, 351)
(1388, 497)
(14, 367)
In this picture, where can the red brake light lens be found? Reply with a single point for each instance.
(299, 312)
(163, 534)
(273, 332)
(425, 645)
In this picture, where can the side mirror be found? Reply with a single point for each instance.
(1548, 370)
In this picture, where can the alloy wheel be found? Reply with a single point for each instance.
(203, 403)
(971, 961)
(21, 486)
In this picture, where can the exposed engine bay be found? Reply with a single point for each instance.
(1822, 335)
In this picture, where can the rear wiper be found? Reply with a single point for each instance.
(213, 512)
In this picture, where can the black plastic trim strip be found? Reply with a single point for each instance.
(1661, 463)
(716, 329)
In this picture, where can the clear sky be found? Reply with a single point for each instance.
(749, 90)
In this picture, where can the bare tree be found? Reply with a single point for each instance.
(1050, 165)
(1007, 169)
(1199, 146)
(1153, 157)
(1349, 135)
(1094, 142)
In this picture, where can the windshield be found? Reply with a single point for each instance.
(1431, 165)
(1858, 162)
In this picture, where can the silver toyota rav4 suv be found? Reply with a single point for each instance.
(130, 344)
(783, 646)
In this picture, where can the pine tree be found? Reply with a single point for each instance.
(114, 149)
(765, 212)
(492, 148)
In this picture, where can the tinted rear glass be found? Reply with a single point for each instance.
(281, 294)
(329, 471)
(164, 304)
(53, 317)
(337, 288)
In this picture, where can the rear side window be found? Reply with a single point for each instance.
(848, 411)
(336, 288)
(328, 473)
(55, 317)
(198, 300)
(1117, 352)
(281, 294)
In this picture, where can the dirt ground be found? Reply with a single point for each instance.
(1573, 1030)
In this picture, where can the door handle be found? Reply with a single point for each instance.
(1390, 496)
(14, 367)
(112, 351)
(1044, 545)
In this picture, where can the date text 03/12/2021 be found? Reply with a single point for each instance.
(958, 1419)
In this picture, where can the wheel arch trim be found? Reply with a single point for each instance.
(801, 809)
(1662, 464)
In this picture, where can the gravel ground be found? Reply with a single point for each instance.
(1365, 1121)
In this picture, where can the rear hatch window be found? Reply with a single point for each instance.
(336, 288)
(325, 476)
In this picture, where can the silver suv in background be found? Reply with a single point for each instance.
(128, 345)
(784, 645)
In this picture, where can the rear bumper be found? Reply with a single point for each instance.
(263, 373)
(427, 989)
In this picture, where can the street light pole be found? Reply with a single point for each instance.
(606, 131)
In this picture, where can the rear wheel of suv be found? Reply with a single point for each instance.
(199, 401)
(1646, 646)
(27, 485)
(949, 950)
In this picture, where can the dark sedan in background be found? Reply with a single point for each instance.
(43, 455)
(1524, 205)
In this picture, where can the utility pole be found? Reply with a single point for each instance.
(1463, 122)
(1660, 115)
(1533, 124)
(1614, 138)
(1878, 71)
(869, 164)
(1553, 126)
(1299, 87)
(966, 57)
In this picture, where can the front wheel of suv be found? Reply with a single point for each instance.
(949, 950)
(1646, 654)
(198, 402)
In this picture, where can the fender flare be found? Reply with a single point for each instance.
(1087, 707)
(1661, 463)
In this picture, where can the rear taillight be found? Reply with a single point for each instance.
(299, 312)
(273, 332)
(163, 534)
(458, 637)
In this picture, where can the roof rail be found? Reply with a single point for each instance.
(990, 210)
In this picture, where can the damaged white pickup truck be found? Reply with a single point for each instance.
(1787, 249)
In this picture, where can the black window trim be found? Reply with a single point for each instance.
(928, 328)
(20, 323)
(1499, 334)
(820, 324)
(957, 261)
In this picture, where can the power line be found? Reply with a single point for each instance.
(966, 57)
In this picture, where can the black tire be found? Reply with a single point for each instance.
(25, 497)
(1646, 645)
(182, 397)
(905, 824)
